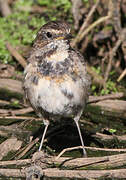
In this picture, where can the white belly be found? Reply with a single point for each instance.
(57, 98)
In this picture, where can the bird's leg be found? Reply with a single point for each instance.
(46, 123)
(76, 119)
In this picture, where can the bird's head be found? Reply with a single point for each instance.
(52, 32)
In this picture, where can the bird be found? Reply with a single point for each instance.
(56, 82)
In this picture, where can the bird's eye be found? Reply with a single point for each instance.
(49, 35)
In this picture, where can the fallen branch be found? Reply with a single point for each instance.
(53, 172)
(14, 86)
(93, 162)
(99, 162)
(114, 106)
(56, 173)
(16, 112)
(21, 118)
(4, 103)
(12, 172)
(88, 174)
(93, 99)
(105, 137)
(22, 111)
(21, 162)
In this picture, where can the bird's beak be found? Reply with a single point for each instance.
(67, 37)
(59, 38)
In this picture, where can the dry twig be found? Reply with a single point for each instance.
(122, 75)
(101, 20)
(91, 148)
(113, 52)
(27, 148)
(85, 23)
(17, 56)
(11, 144)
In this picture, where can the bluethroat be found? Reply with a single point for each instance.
(56, 81)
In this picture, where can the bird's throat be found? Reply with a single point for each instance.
(58, 51)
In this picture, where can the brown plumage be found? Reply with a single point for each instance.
(56, 81)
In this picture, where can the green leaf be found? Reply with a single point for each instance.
(112, 130)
